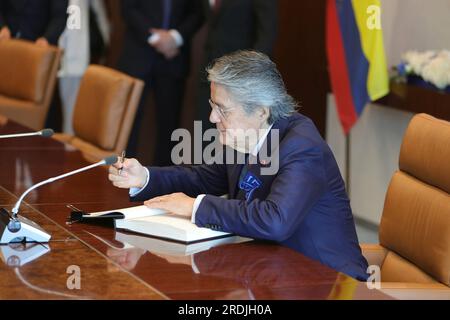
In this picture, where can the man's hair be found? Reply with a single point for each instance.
(253, 81)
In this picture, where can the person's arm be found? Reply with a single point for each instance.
(298, 186)
(192, 21)
(190, 180)
(156, 181)
(136, 20)
(57, 22)
(169, 42)
(266, 20)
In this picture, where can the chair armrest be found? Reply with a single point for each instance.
(63, 137)
(374, 253)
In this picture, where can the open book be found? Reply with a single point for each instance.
(158, 223)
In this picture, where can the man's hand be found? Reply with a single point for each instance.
(42, 42)
(127, 258)
(166, 44)
(133, 174)
(176, 203)
(172, 53)
(5, 33)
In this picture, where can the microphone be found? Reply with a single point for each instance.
(14, 224)
(46, 133)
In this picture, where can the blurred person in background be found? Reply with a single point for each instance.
(234, 25)
(41, 21)
(81, 46)
(157, 50)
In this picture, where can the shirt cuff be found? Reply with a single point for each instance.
(135, 191)
(197, 202)
(177, 37)
(153, 38)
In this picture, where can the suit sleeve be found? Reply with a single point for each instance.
(298, 186)
(135, 19)
(266, 19)
(58, 20)
(191, 180)
(192, 21)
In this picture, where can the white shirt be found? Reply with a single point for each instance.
(198, 200)
(174, 33)
(75, 42)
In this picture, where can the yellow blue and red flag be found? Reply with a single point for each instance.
(356, 58)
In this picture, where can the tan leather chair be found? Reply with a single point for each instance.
(27, 81)
(104, 112)
(414, 249)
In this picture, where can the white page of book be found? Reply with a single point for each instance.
(132, 212)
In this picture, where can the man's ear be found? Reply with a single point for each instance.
(263, 114)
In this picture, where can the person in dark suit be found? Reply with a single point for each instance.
(288, 189)
(156, 50)
(234, 25)
(41, 21)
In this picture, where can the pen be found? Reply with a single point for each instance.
(73, 208)
(122, 159)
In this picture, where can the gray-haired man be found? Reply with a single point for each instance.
(303, 205)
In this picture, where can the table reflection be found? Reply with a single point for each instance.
(247, 269)
(19, 254)
(126, 248)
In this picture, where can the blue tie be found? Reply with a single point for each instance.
(167, 8)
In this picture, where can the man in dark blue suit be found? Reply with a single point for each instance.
(42, 21)
(289, 188)
(157, 50)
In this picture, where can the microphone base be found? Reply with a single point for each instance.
(29, 231)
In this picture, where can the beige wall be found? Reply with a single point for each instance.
(414, 24)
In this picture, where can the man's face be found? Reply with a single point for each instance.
(237, 129)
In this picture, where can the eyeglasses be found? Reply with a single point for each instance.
(222, 112)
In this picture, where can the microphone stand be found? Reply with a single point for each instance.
(15, 228)
(46, 133)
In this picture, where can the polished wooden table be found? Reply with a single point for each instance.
(110, 268)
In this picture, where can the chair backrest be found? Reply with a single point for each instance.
(415, 225)
(105, 108)
(28, 73)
